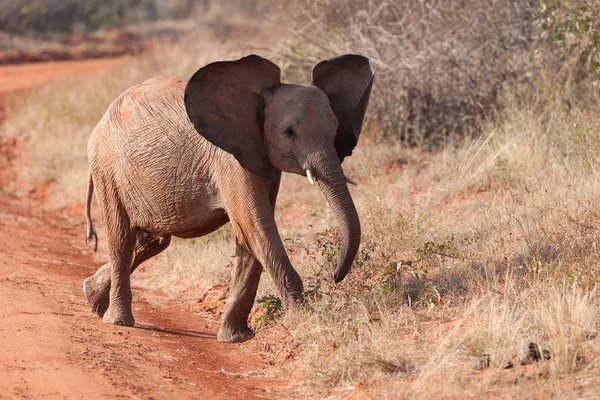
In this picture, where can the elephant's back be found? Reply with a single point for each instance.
(166, 79)
(148, 121)
(152, 108)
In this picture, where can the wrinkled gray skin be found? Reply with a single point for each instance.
(176, 159)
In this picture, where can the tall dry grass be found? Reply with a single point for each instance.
(477, 249)
(471, 251)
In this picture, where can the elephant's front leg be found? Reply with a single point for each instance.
(263, 241)
(250, 203)
(244, 283)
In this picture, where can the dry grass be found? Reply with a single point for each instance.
(190, 267)
(516, 213)
(480, 248)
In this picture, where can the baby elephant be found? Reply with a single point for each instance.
(171, 158)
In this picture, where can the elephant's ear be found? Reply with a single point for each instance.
(347, 81)
(224, 100)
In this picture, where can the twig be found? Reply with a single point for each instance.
(579, 223)
(234, 374)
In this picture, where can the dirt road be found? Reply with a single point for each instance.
(26, 76)
(21, 77)
(52, 346)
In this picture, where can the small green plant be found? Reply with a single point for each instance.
(428, 295)
(365, 255)
(571, 26)
(391, 280)
(272, 306)
(327, 247)
(534, 267)
(430, 249)
(503, 165)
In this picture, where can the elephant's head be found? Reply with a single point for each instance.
(243, 108)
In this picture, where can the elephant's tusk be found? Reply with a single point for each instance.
(350, 180)
(309, 175)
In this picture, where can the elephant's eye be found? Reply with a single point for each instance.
(289, 132)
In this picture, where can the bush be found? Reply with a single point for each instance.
(441, 66)
(570, 27)
(46, 16)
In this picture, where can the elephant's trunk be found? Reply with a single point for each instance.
(330, 179)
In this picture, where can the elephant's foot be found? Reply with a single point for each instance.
(237, 334)
(96, 289)
(116, 316)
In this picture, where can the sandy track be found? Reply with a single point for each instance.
(21, 77)
(52, 346)
(26, 76)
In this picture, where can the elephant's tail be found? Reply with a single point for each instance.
(90, 231)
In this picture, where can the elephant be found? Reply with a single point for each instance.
(175, 158)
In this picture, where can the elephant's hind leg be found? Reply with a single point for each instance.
(121, 246)
(97, 287)
(246, 276)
